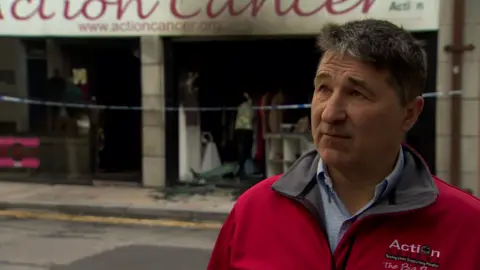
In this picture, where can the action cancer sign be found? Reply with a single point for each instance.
(202, 17)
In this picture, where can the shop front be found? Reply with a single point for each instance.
(273, 57)
(219, 53)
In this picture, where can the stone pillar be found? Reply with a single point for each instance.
(21, 85)
(14, 62)
(470, 161)
(153, 122)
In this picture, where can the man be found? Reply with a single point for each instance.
(54, 91)
(72, 94)
(244, 133)
(361, 201)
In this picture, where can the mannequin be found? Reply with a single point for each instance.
(190, 144)
(80, 78)
(244, 132)
(189, 92)
(266, 101)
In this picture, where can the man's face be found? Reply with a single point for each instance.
(356, 115)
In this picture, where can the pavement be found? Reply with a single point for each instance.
(126, 204)
(39, 244)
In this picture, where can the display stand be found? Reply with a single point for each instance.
(283, 149)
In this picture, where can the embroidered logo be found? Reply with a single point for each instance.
(420, 255)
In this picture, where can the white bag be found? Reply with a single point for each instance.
(211, 157)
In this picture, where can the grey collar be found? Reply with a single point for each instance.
(415, 188)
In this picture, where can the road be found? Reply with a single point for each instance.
(33, 244)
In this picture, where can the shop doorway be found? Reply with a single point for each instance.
(36, 79)
(229, 68)
(114, 78)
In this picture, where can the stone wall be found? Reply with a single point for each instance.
(470, 96)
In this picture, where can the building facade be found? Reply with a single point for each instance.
(153, 20)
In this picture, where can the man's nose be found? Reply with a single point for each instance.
(334, 109)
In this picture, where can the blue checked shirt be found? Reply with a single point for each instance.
(338, 219)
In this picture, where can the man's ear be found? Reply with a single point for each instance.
(412, 112)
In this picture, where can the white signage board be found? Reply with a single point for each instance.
(203, 17)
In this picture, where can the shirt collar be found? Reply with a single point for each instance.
(381, 189)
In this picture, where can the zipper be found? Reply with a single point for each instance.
(349, 234)
(313, 210)
(352, 232)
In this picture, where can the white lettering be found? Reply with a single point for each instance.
(395, 244)
(415, 248)
(389, 265)
(407, 266)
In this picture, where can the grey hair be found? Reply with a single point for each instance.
(386, 47)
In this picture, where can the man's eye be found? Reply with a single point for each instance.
(356, 93)
(322, 88)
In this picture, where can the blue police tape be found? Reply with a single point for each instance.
(203, 109)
